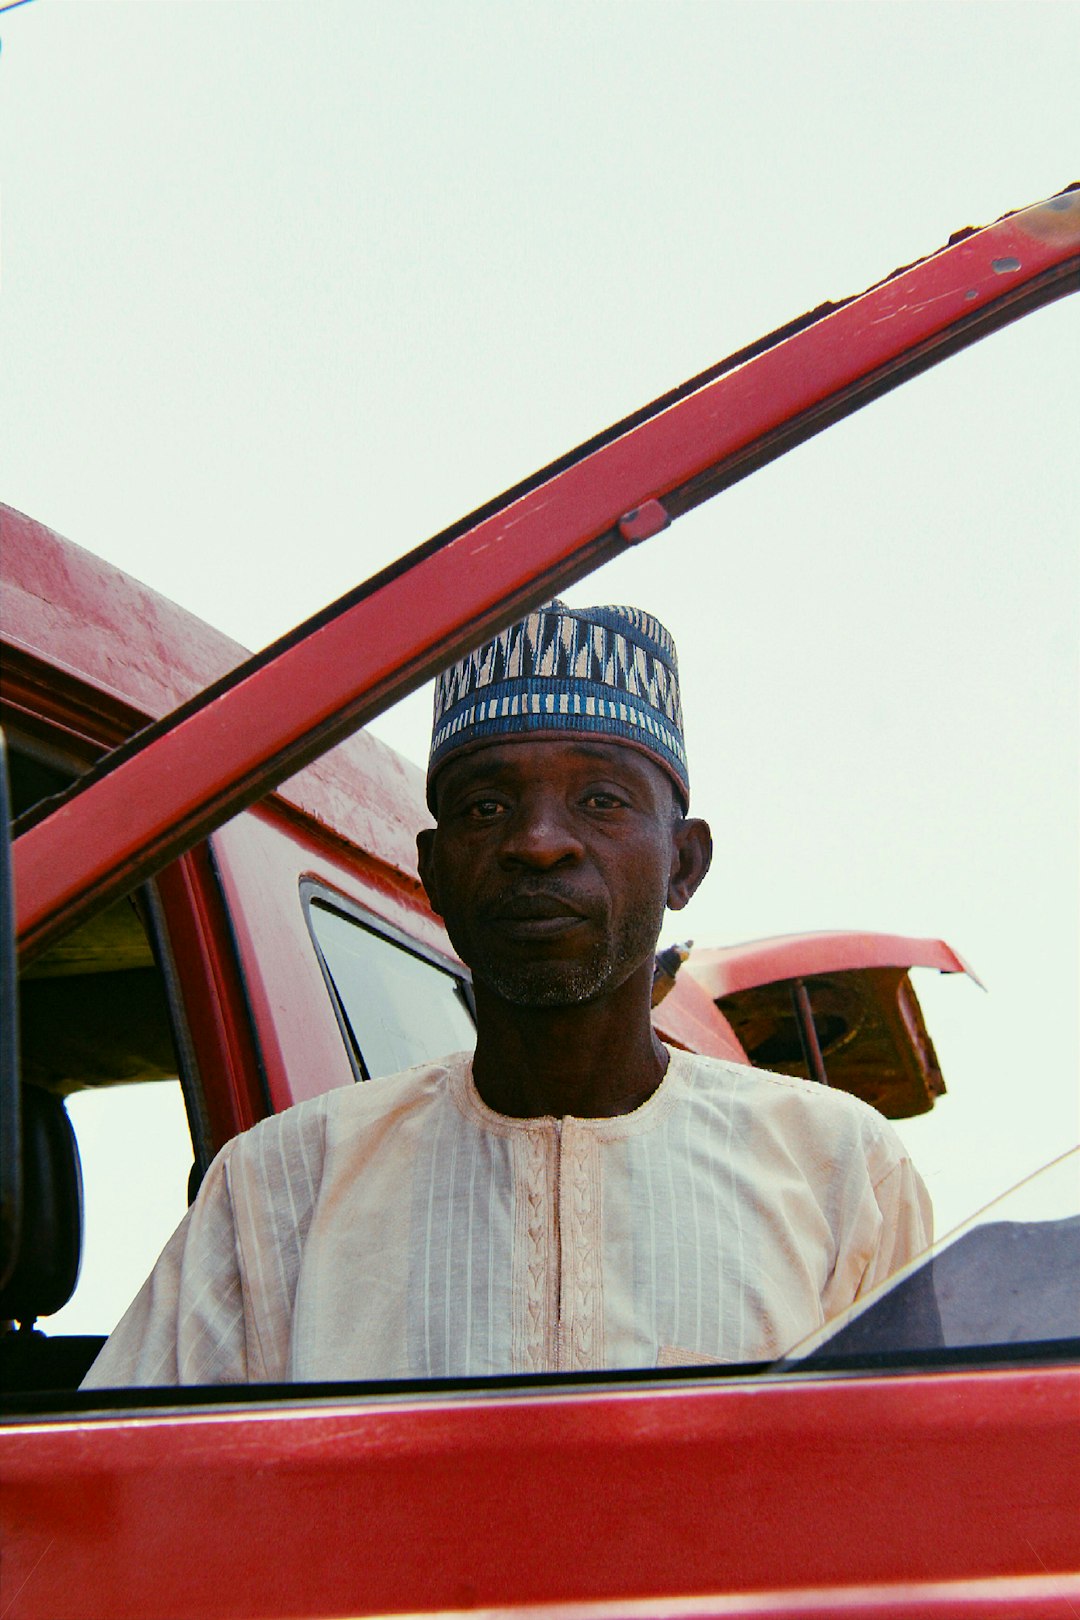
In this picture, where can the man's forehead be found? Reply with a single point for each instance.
(541, 758)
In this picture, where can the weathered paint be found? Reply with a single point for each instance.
(102, 655)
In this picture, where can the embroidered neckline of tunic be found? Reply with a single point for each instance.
(614, 1129)
(559, 1290)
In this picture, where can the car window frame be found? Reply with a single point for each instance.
(315, 893)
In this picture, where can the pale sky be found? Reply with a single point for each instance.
(290, 287)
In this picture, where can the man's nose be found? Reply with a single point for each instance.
(541, 833)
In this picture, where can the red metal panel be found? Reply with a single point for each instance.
(91, 655)
(99, 624)
(214, 1002)
(262, 857)
(1026, 1598)
(730, 968)
(43, 702)
(560, 1499)
(690, 1018)
(382, 640)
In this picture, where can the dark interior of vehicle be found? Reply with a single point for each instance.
(92, 1012)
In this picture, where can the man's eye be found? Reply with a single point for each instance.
(484, 809)
(604, 801)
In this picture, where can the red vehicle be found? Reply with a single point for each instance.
(196, 897)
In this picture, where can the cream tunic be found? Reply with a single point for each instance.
(400, 1228)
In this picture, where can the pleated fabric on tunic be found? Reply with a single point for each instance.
(400, 1228)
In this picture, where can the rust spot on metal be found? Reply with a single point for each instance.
(1002, 267)
(1056, 220)
(643, 522)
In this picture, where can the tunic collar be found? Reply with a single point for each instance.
(676, 1083)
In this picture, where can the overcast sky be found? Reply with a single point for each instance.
(289, 287)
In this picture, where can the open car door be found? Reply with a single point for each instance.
(420, 1498)
(152, 799)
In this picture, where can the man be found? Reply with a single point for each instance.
(575, 1195)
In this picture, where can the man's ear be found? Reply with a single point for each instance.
(425, 860)
(691, 858)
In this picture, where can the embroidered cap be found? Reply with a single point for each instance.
(604, 672)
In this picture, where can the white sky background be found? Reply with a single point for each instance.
(288, 288)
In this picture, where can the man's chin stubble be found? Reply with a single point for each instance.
(548, 985)
(573, 983)
(560, 984)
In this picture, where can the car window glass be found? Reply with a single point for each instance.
(128, 1217)
(398, 1008)
(1008, 1276)
(96, 1044)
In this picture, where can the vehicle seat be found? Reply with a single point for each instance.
(50, 1252)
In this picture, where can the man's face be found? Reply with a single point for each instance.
(552, 864)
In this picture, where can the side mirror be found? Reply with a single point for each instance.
(10, 1114)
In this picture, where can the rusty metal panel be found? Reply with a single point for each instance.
(870, 1033)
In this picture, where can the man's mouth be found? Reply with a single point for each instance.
(537, 916)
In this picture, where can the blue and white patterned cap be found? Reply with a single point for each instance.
(604, 672)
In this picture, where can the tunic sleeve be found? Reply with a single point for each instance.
(883, 1216)
(907, 1223)
(187, 1323)
(218, 1306)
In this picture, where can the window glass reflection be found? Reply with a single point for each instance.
(400, 1009)
(1009, 1276)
